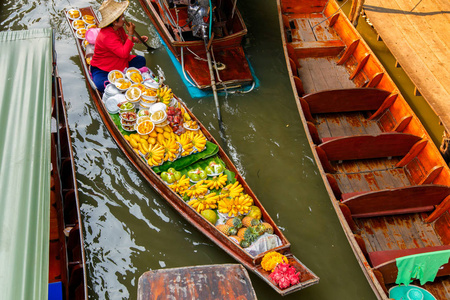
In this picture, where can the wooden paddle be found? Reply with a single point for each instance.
(140, 38)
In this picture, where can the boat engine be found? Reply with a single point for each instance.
(198, 12)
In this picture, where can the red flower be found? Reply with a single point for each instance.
(284, 275)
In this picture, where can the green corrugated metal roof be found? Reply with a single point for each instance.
(25, 113)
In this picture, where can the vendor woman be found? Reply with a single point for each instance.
(113, 45)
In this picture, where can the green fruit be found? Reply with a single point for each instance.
(195, 177)
(170, 178)
(171, 170)
(177, 175)
(210, 215)
(208, 170)
(164, 176)
(215, 167)
(202, 174)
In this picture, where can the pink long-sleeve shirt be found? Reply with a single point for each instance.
(112, 50)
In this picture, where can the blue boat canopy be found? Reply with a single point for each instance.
(25, 162)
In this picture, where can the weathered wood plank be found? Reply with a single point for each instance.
(197, 282)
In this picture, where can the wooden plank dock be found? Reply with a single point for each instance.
(417, 32)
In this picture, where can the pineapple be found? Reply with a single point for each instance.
(236, 239)
(234, 222)
(259, 229)
(241, 232)
(269, 228)
(225, 229)
(251, 234)
(249, 221)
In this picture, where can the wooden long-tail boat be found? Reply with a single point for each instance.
(386, 179)
(251, 262)
(183, 40)
(67, 257)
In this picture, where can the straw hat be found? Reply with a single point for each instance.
(110, 11)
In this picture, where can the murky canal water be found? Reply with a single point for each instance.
(130, 229)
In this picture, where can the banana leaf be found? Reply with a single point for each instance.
(181, 163)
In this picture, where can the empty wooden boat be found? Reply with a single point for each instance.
(153, 175)
(386, 179)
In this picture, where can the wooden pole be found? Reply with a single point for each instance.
(355, 11)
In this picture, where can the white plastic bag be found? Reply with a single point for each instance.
(263, 244)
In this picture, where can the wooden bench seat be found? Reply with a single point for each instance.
(389, 144)
(384, 262)
(317, 48)
(411, 199)
(346, 100)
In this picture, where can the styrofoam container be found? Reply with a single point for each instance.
(158, 106)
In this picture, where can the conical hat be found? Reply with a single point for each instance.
(110, 11)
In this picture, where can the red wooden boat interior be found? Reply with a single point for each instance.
(228, 31)
(387, 181)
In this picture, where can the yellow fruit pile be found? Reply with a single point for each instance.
(181, 185)
(232, 190)
(204, 202)
(165, 94)
(136, 77)
(197, 189)
(238, 205)
(170, 149)
(198, 140)
(186, 144)
(217, 182)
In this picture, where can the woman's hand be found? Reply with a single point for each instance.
(144, 38)
(130, 28)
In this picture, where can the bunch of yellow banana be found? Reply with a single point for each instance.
(186, 144)
(155, 155)
(234, 189)
(197, 189)
(198, 140)
(235, 206)
(204, 202)
(217, 182)
(165, 94)
(180, 185)
(171, 149)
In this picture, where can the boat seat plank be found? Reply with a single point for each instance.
(346, 100)
(313, 81)
(385, 261)
(322, 29)
(425, 231)
(347, 167)
(397, 201)
(330, 126)
(408, 238)
(302, 30)
(317, 48)
(369, 146)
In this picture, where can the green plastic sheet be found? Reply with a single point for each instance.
(25, 102)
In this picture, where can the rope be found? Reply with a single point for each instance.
(340, 8)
